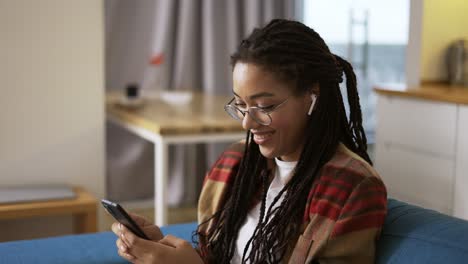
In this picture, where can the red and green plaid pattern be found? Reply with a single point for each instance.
(344, 214)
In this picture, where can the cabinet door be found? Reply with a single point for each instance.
(420, 125)
(415, 150)
(461, 176)
(417, 178)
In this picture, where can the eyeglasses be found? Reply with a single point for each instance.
(259, 114)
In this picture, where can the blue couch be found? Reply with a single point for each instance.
(411, 235)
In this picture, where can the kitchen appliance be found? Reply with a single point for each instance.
(457, 62)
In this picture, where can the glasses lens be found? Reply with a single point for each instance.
(233, 112)
(260, 116)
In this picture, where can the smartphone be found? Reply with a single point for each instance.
(122, 217)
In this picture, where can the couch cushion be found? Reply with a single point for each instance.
(412, 234)
(88, 248)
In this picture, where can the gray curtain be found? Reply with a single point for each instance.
(196, 37)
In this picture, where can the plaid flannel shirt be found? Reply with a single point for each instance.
(344, 213)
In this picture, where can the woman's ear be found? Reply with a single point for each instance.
(312, 104)
(315, 89)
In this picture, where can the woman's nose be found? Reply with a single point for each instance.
(248, 122)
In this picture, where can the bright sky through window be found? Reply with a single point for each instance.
(388, 19)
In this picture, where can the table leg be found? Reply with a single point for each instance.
(85, 222)
(160, 181)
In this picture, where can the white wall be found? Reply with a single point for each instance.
(51, 98)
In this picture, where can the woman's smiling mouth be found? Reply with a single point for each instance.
(262, 137)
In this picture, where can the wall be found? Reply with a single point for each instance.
(51, 100)
(443, 22)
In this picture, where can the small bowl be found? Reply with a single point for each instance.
(177, 97)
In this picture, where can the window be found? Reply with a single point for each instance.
(371, 35)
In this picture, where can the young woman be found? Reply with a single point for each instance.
(300, 188)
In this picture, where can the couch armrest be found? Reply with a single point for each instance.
(412, 234)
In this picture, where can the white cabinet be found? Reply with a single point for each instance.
(418, 152)
(416, 177)
(420, 125)
(461, 176)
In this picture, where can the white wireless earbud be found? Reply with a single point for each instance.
(314, 99)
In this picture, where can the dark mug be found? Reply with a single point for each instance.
(132, 91)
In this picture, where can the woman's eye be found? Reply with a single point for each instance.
(267, 108)
(239, 104)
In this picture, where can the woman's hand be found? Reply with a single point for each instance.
(168, 250)
(152, 231)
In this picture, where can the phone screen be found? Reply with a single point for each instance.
(122, 217)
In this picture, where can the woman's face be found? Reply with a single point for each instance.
(285, 136)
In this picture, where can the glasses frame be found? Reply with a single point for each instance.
(243, 112)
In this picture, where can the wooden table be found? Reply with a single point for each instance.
(202, 120)
(82, 207)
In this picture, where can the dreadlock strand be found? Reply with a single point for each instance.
(355, 109)
(260, 224)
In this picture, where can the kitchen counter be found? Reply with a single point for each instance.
(430, 91)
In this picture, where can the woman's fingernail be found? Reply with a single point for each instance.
(120, 226)
(123, 248)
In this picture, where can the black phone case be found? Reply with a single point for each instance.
(122, 217)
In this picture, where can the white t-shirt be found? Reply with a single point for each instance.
(282, 176)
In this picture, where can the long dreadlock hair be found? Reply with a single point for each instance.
(298, 56)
